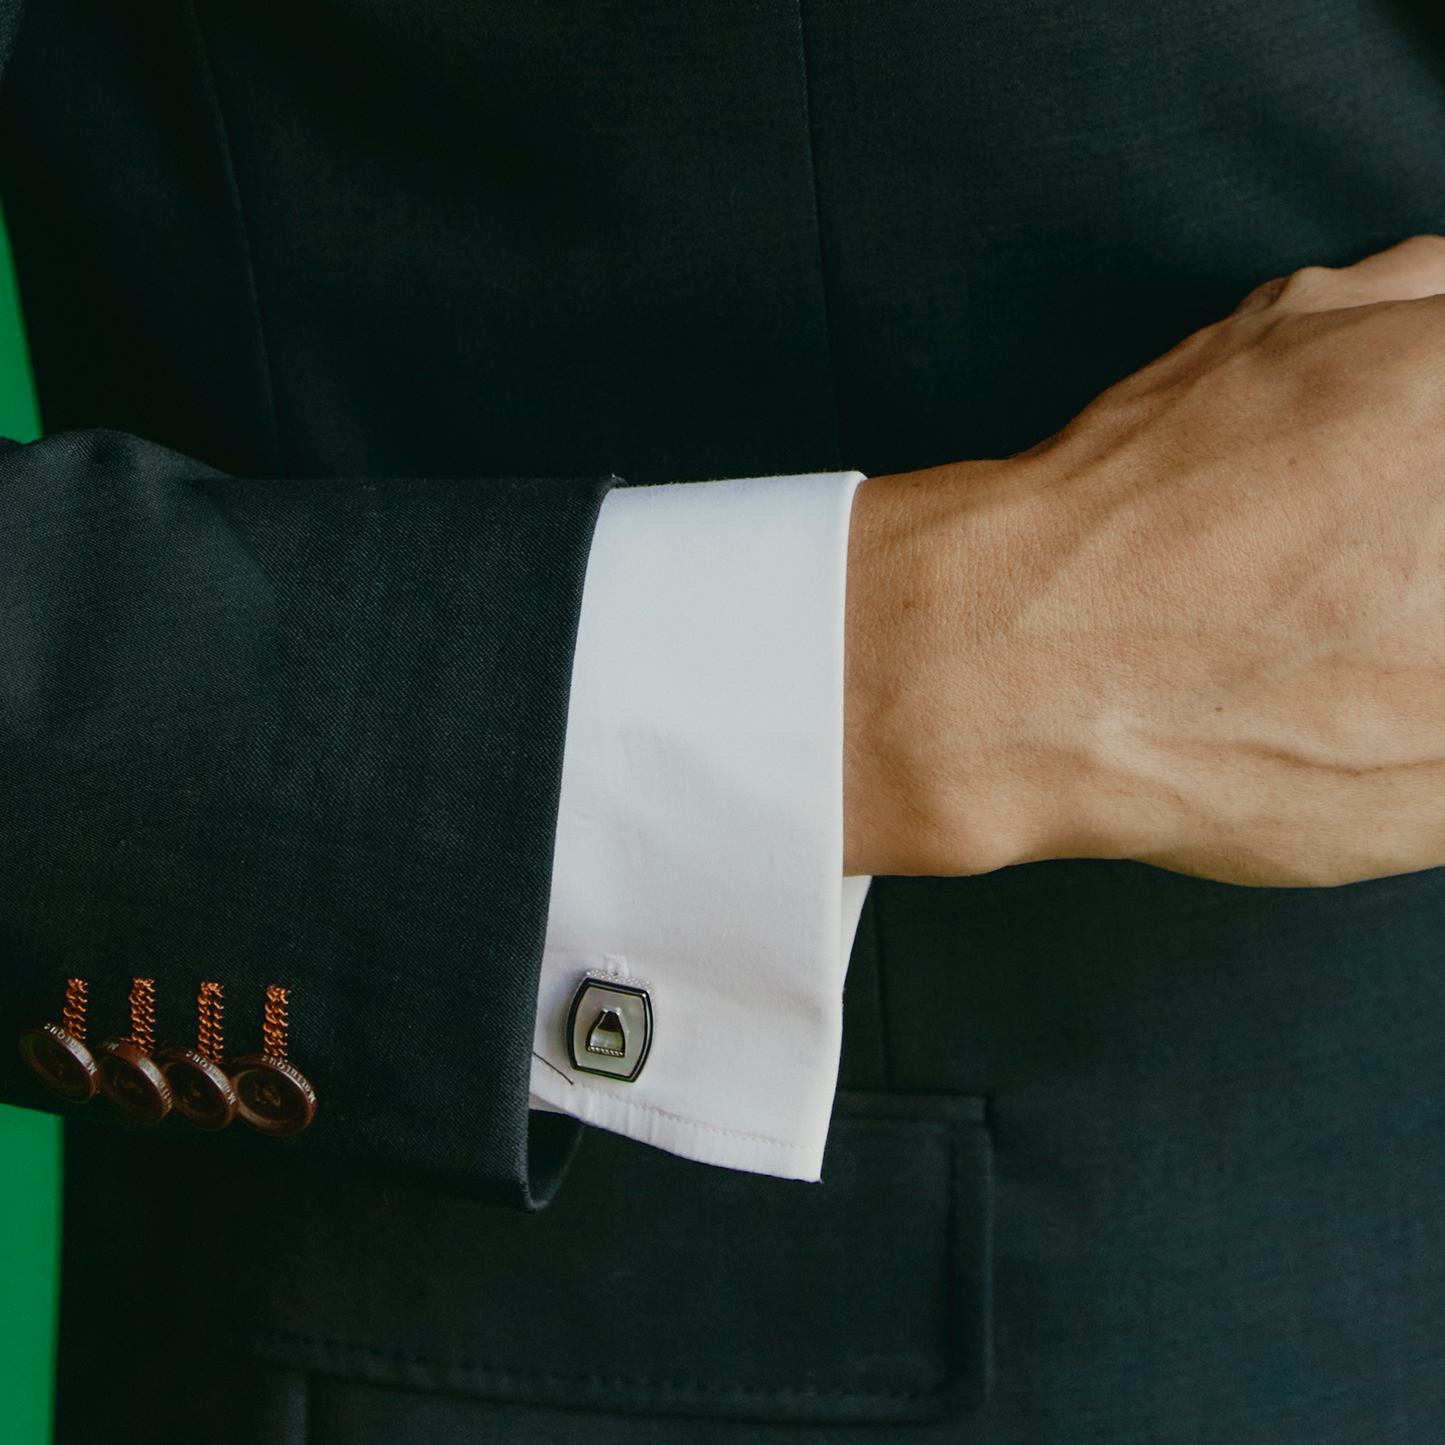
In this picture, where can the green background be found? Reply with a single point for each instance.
(29, 1143)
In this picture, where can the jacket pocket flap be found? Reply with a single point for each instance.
(660, 1286)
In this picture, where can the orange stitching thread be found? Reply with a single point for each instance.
(274, 1032)
(74, 1015)
(143, 1013)
(210, 1039)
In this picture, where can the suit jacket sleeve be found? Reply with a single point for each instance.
(298, 733)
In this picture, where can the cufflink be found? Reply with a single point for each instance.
(272, 1095)
(130, 1078)
(609, 1028)
(201, 1088)
(57, 1053)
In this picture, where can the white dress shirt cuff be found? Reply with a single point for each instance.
(700, 833)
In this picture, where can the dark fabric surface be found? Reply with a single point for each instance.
(290, 732)
(1216, 1161)
(1216, 1115)
(439, 239)
(648, 1284)
(507, 239)
(250, 730)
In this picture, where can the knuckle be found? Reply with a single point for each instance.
(1307, 289)
(1269, 293)
(1428, 246)
(1307, 281)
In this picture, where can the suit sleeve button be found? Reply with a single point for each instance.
(64, 1065)
(203, 1093)
(272, 1096)
(133, 1082)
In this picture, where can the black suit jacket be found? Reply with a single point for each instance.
(1120, 1155)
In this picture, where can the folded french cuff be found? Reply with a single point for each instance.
(698, 874)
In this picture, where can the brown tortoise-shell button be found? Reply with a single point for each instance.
(200, 1087)
(272, 1095)
(132, 1081)
(64, 1065)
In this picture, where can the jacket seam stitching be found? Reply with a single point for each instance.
(806, 78)
(701, 1387)
(243, 228)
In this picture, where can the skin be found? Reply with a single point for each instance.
(1202, 627)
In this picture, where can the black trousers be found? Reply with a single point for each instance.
(1121, 1156)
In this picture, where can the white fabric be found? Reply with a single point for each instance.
(700, 833)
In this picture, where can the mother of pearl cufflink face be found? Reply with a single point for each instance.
(609, 1028)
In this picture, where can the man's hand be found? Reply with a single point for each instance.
(1204, 626)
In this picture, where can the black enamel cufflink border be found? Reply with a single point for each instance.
(609, 1028)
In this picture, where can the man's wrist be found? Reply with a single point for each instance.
(955, 758)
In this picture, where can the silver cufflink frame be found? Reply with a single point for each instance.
(609, 1028)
